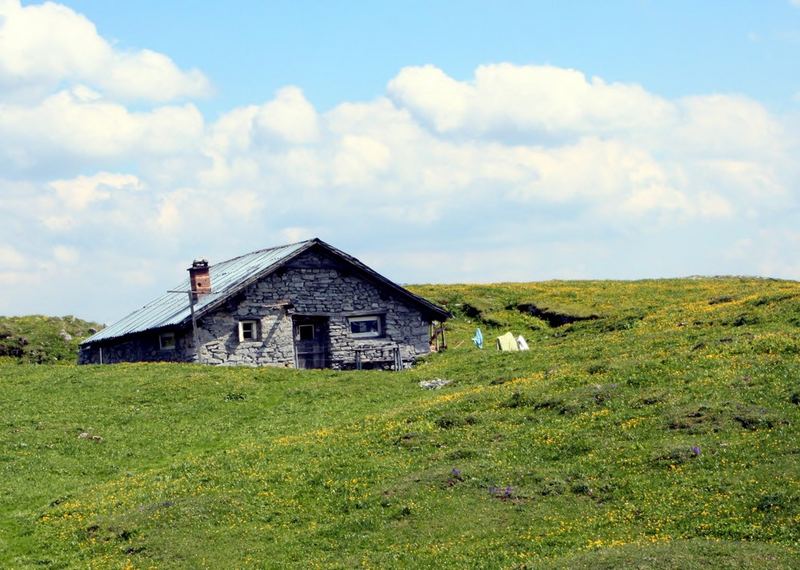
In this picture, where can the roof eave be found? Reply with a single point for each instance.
(430, 307)
(125, 336)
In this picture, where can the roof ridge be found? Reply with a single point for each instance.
(264, 250)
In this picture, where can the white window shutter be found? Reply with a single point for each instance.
(241, 331)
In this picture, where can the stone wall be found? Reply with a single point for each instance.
(218, 334)
(143, 347)
(318, 284)
(314, 283)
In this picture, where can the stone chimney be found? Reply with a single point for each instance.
(199, 277)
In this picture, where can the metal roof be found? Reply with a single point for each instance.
(228, 277)
(173, 308)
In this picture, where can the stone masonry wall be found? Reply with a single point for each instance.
(143, 347)
(314, 283)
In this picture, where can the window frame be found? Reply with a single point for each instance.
(369, 334)
(256, 330)
(300, 331)
(162, 345)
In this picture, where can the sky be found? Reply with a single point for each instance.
(435, 141)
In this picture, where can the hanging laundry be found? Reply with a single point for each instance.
(507, 343)
(478, 338)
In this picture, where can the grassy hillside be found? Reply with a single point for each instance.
(36, 339)
(662, 432)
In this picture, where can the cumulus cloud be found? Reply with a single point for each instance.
(518, 172)
(79, 125)
(78, 193)
(725, 125)
(43, 45)
(358, 160)
(289, 117)
(536, 100)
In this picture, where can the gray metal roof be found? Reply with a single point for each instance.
(173, 308)
(228, 277)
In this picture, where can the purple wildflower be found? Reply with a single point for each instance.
(696, 450)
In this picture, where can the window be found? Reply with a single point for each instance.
(248, 330)
(166, 341)
(306, 332)
(365, 326)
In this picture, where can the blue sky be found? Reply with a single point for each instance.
(340, 51)
(436, 141)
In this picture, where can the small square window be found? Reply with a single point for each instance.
(166, 341)
(248, 330)
(306, 332)
(365, 326)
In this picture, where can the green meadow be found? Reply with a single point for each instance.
(652, 424)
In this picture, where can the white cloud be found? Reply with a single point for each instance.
(66, 255)
(772, 249)
(289, 116)
(78, 193)
(151, 76)
(296, 233)
(11, 258)
(72, 125)
(536, 100)
(437, 97)
(45, 44)
(358, 160)
(243, 204)
(520, 172)
(392, 160)
(725, 126)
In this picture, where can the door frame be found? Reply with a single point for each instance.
(322, 337)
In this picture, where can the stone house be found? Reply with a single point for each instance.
(303, 305)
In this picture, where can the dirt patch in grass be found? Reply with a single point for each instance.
(650, 398)
(753, 418)
(551, 317)
(569, 403)
(742, 319)
(704, 418)
(450, 421)
(697, 419)
(474, 313)
(676, 455)
(771, 299)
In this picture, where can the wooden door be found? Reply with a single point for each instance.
(311, 342)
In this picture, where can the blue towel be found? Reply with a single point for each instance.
(478, 338)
